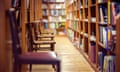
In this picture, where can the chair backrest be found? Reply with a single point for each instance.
(35, 31)
(29, 36)
(14, 32)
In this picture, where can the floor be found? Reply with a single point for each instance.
(72, 60)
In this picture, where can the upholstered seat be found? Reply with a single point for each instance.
(38, 58)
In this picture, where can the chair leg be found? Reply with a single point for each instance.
(30, 68)
(58, 66)
(16, 67)
(52, 47)
(19, 67)
(54, 67)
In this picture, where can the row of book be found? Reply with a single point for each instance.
(57, 6)
(103, 15)
(76, 42)
(81, 3)
(113, 12)
(53, 6)
(53, 0)
(57, 19)
(56, 12)
(53, 12)
(56, 25)
(100, 1)
(15, 3)
(70, 34)
(74, 25)
(108, 37)
(70, 16)
(106, 63)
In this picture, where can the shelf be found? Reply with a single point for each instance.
(55, 13)
(100, 3)
(95, 21)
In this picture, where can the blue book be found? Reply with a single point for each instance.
(100, 60)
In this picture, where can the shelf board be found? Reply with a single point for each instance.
(104, 2)
(56, 8)
(56, 2)
(93, 5)
(56, 21)
(56, 15)
(86, 35)
(85, 20)
(86, 7)
(103, 23)
(81, 7)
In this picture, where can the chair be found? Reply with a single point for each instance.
(43, 29)
(37, 27)
(36, 42)
(29, 57)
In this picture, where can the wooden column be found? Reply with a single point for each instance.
(38, 10)
(4, 36)
(118, 45)
(31, 10)
(23, 23)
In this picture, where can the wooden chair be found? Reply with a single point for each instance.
(29, 57)
(36, 25)
(36, 42)
(43, 29)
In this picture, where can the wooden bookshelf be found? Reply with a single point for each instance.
(95, 29)
(54, 15)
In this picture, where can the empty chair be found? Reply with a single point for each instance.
(38, 43)
(28, 57)
(38, 31)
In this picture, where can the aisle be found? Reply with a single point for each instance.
(72, 60)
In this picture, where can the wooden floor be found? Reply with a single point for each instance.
(72, 60)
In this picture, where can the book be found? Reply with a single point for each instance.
(115, 8)
(103, 17)
(100, 60)
(109, 63)
(93, 52)
(93, 1)
(46, 25)
(86, 3)
(52, 25)
(15, 3)
(104, 37)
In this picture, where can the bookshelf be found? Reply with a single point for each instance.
(54, 15)
(92, 29)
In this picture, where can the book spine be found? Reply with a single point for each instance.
(93, 52)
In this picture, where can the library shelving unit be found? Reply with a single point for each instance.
(91, 27)
(54, 15)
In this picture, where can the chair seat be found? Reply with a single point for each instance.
(46, 36)
(44, 42)
(38, 58)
